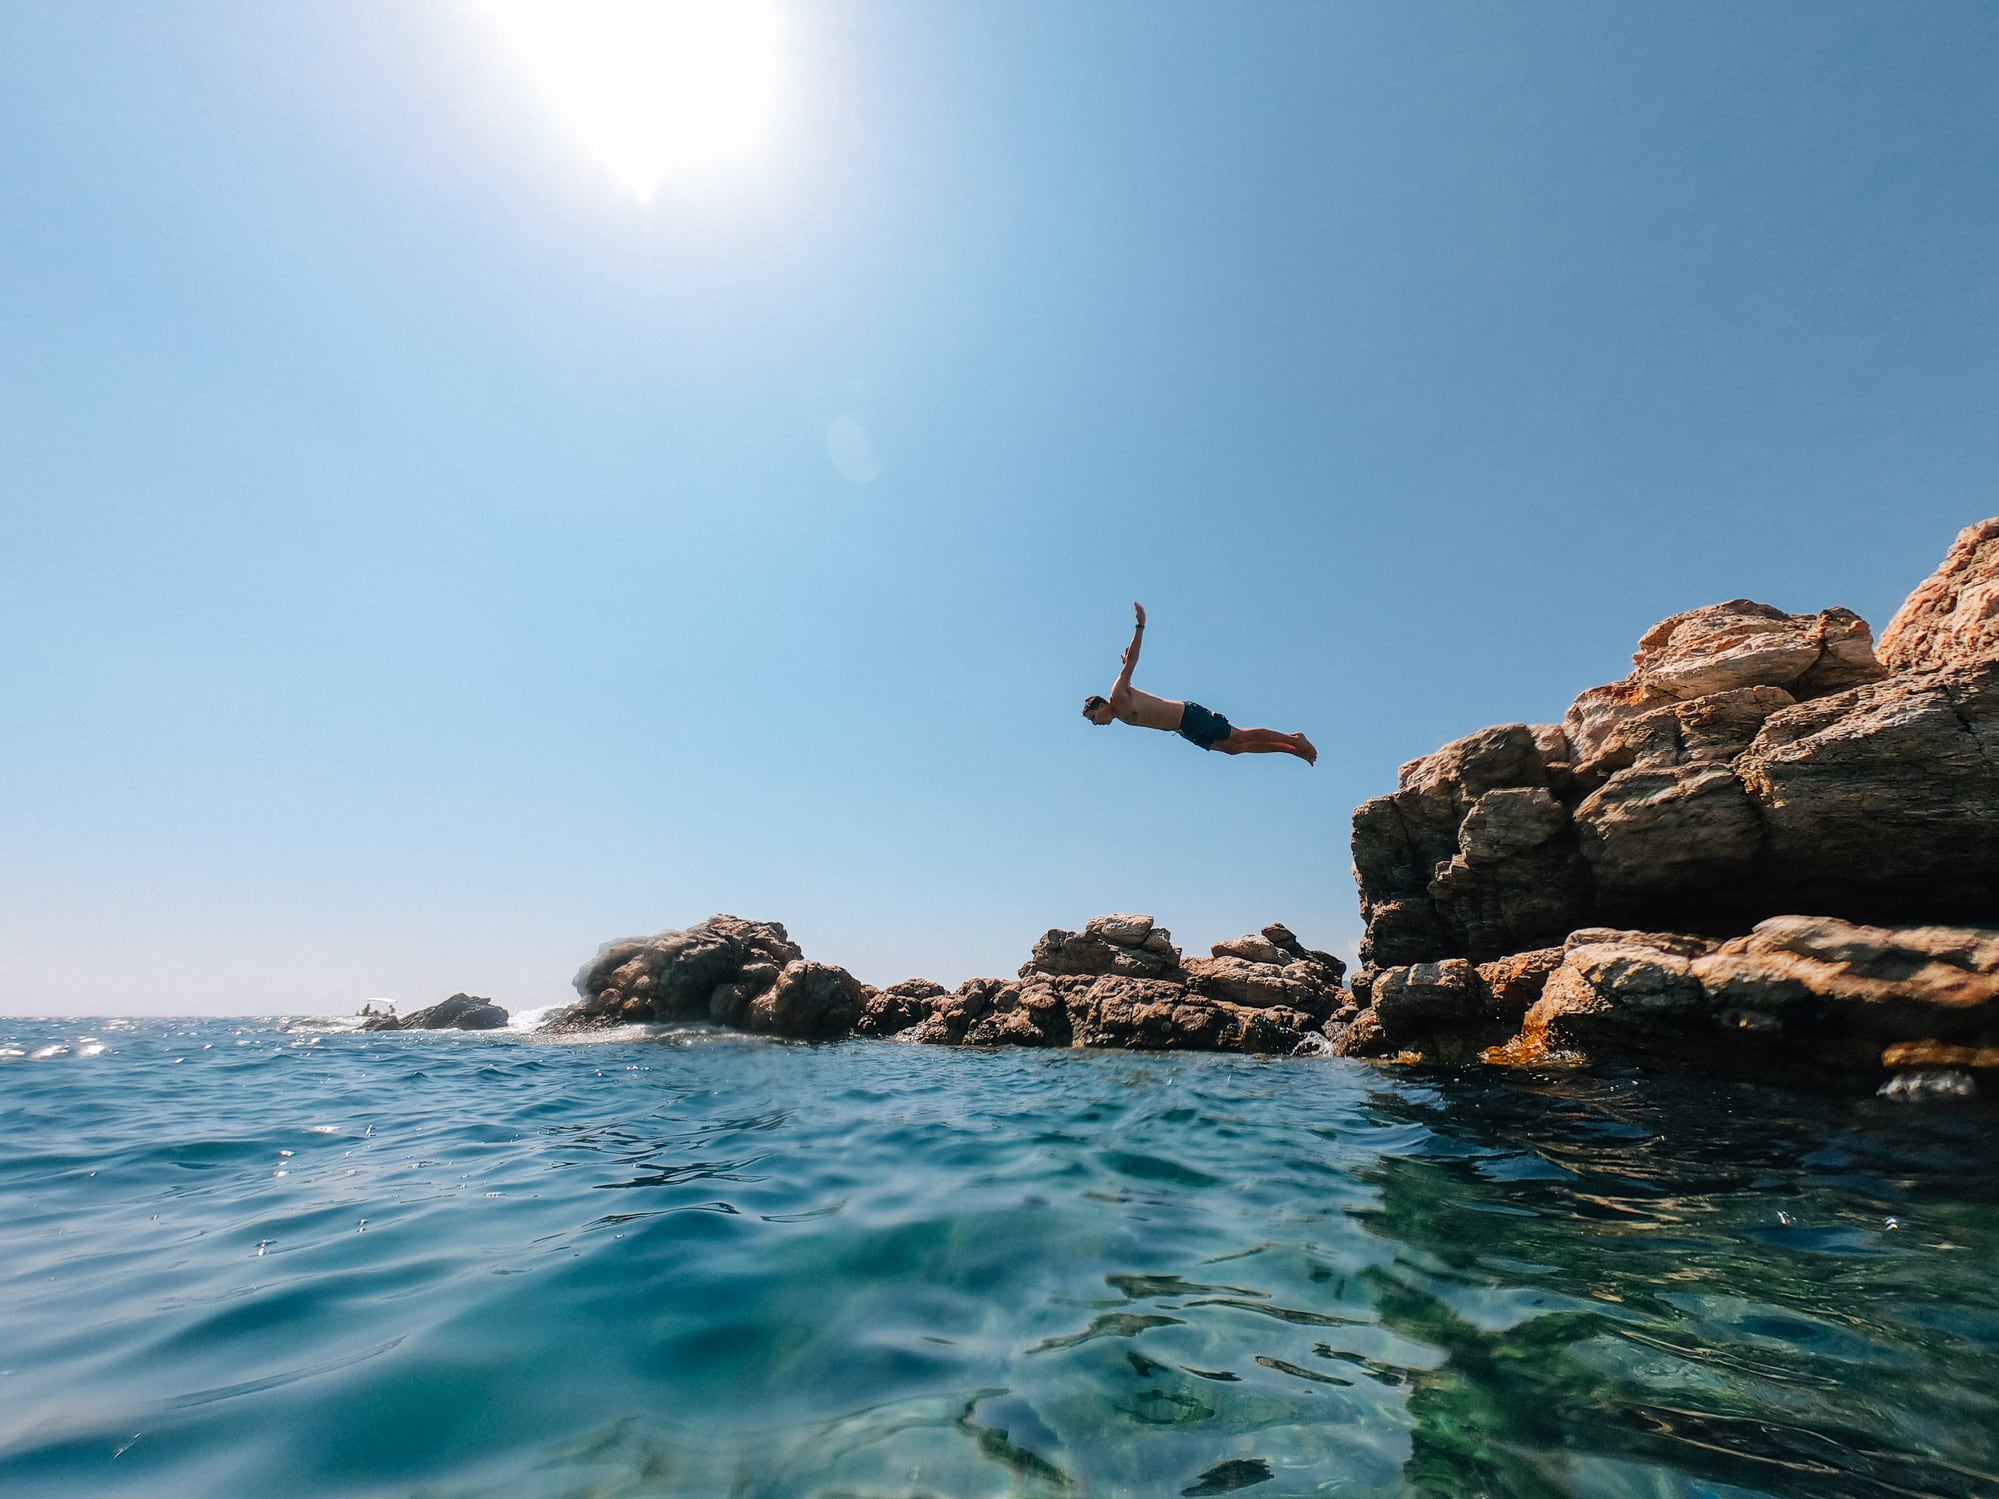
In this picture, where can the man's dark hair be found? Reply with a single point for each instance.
(1092, 703)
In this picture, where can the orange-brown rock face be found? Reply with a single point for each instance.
(1952, 619)
(1799, 997)
(1753, 764)
(1724, 647)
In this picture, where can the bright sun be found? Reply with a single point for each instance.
(654, 87)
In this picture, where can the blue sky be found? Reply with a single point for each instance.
(421, 560)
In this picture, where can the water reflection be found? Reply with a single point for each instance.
(1622, 1304)
(889, 1271)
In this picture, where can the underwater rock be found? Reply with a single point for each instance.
(1926, 1087)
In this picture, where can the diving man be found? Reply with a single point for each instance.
(1192, 722)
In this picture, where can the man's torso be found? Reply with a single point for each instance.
(1148, 712)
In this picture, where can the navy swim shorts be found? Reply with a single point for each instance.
(1199, 726)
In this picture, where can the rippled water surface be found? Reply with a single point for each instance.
(267, 1259)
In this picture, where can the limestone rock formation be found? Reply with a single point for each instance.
(1753, 764)
(461, 1012)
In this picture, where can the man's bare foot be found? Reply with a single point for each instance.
(1306, 750)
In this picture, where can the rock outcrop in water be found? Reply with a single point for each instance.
(1753, 765)
(461, 1012)
(1623, 884)
(748, 975)
(1120, 982)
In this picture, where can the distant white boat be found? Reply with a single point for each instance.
(376, 1007)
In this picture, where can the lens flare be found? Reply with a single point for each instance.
(653, 88)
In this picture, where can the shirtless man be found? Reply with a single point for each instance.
(1190, 721)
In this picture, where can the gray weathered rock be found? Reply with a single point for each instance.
(1107, 944)
(1672, 832)
(1883, 801)
(1426, 996)
(1118, 982)
(461, 1012)
(1120, 927)
(899, 1007)
(728, 971)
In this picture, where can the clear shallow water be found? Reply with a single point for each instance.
(245, 1259)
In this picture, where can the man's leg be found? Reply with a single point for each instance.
(1268, 742)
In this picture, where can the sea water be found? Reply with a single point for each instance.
(273, 1258)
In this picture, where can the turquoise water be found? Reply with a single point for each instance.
(247, 1258)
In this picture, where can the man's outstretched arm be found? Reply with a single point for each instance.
(1131, 651)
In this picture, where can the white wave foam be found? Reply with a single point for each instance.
(682, 1033)
(330, 1023)
(531, 1020)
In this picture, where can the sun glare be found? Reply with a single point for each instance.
(654, 88)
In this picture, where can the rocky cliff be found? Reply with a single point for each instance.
(1753, 765)
(1627, 883)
